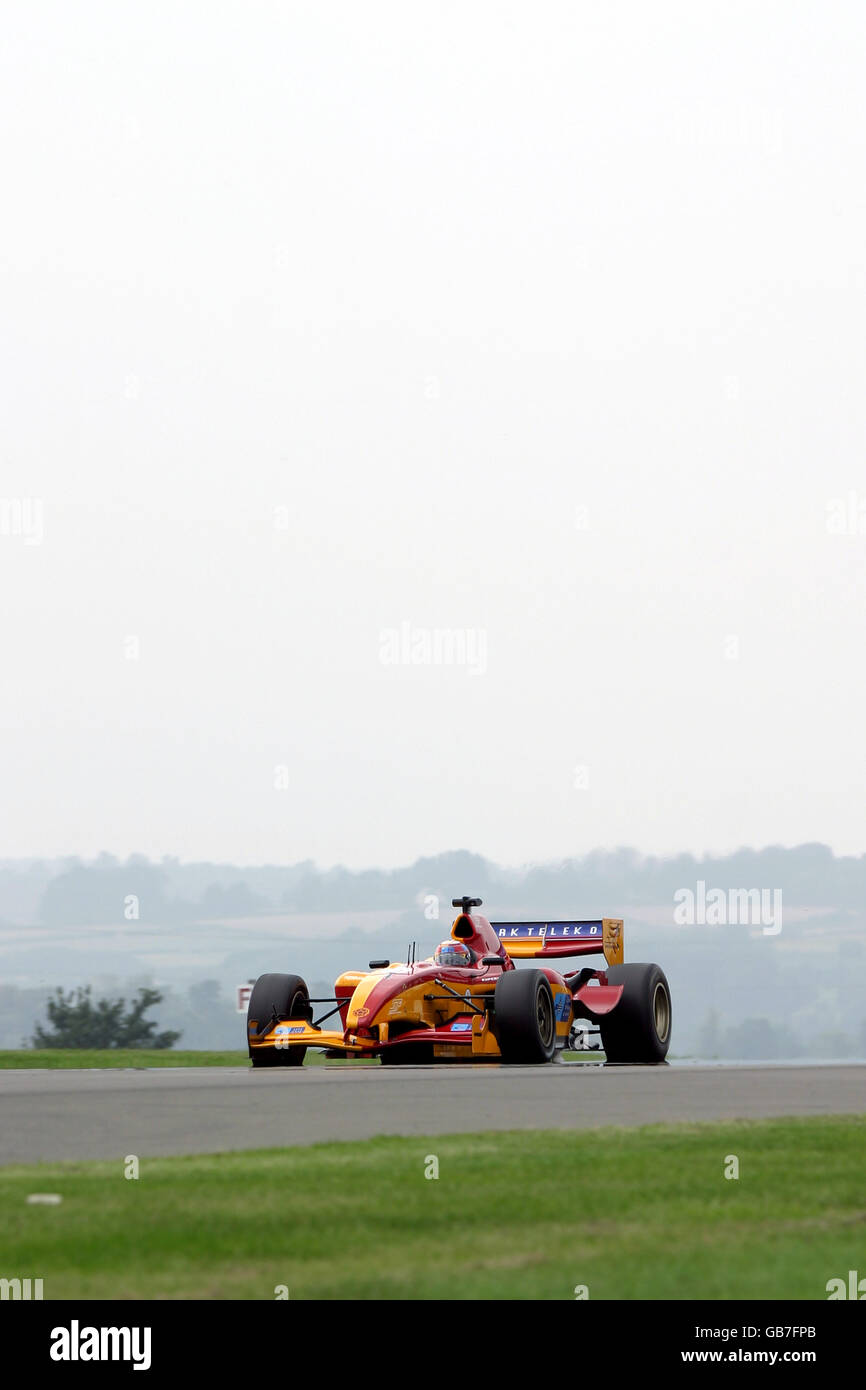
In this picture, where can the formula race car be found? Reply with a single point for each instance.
(469, 1002)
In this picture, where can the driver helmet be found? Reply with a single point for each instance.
(452, 953)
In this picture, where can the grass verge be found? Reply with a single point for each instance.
(118, 1057)
(145, 1057)
(629, 1213)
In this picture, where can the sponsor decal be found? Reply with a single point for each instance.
(463, 1026)
(281, 1029)
(361, 1013)
(547, 931)
(556, 931)
(562, 1007)
(613, 936)
(294, 1030)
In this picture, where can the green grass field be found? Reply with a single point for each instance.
(630, 1213)
(145, 1057)
(119, 1057)
(150, 1057)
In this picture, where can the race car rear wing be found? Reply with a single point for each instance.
(524, 940)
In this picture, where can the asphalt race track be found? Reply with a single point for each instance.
(57, 1115)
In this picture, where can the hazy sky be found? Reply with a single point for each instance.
(328, 327)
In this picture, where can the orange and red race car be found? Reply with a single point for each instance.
(469, 1002)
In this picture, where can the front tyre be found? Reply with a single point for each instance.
(638, 1030)
(289, 996)
(525, 1021)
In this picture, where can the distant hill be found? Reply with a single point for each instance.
(72, 892)
(738, 989)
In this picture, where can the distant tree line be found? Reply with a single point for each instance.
(76, 1020)
(107, 890)
(763, 1039)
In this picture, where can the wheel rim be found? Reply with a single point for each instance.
(544, 1017)
(661, 1011)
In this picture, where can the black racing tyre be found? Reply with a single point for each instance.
(524, 1017)
(288, 994)
(638, 1030)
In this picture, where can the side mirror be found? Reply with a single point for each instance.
(491, 960)
(378, 964)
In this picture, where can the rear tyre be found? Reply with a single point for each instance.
(525, 1021)
(289, 996)
(639, 1028)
